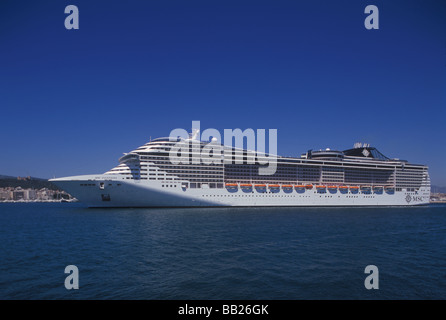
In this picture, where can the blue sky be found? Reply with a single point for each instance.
(72, 101)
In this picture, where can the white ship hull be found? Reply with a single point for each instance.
(114, 191)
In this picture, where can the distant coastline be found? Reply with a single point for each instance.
(30, 189)
(38, 201)
(438, 198)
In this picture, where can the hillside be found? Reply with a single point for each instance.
(26, 183)
(437, 189)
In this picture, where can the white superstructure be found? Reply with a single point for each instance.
(146, 177)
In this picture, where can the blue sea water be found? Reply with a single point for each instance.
(221, 253)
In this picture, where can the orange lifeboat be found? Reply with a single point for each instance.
(260, 185)
(320, 187)
(231, 184)
(354, 187)
(343, 187)
(300, 186)
(287, 186)
(246, 185)
(274, 186)
(309, 186)
(332, 187)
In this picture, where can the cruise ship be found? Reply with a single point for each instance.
(147, 177)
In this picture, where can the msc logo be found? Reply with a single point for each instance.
(408, 198)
